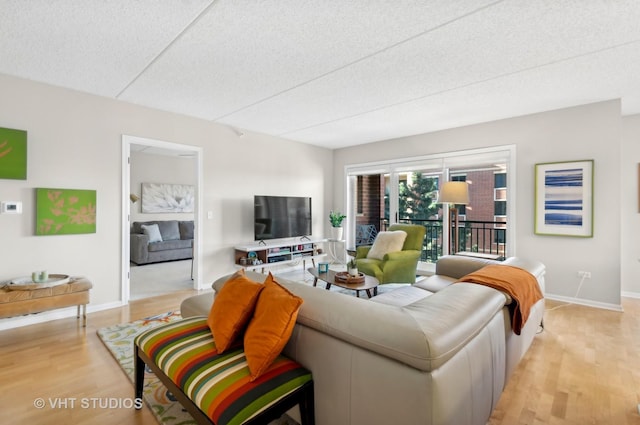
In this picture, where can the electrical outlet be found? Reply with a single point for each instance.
(586, 275)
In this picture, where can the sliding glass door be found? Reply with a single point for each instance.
(382, 194)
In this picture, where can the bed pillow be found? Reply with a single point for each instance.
(153, 231)
(387, 242)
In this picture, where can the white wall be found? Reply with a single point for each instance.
(149, 168)
(74, 141)
(630, 204)
(586, 132)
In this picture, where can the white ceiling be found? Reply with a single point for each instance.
(332, 73)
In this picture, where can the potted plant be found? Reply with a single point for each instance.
(335, 218)
(352, 267)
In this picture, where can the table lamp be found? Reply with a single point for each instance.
(454, 193)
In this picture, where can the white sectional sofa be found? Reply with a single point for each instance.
(431, 353)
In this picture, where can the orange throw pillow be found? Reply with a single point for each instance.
(232, 308)
(271, 326)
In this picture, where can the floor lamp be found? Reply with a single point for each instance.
(454, 193)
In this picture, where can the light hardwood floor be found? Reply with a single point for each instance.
(62, 360)
(583, 369)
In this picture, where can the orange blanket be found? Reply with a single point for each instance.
(521, 285)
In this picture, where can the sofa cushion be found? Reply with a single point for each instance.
(232, 309)
(153, 231)
(186, 229)
(169, 230)
(387, 242)
(270, 327)
(435, 283)
(136, 227)
(402, 296)
(167, 245)
(457, 266)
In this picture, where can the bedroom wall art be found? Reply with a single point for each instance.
(167, 198)
(65, 211)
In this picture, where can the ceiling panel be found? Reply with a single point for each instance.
(243, 52)
(94, 46)
(332, 73)
(463, 53)
(564, 84)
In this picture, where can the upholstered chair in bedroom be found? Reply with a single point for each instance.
(394, 255)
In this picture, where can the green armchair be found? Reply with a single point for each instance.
(395, 267)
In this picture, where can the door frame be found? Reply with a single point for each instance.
(127, 141)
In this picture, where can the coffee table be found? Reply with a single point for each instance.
(330, 279)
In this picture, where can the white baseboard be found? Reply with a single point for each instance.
(47, 316)
(588, 303)
(630, 294)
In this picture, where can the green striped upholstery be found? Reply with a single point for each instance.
(217, 383)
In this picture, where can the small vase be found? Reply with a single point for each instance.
(336, 233)
(353, 272)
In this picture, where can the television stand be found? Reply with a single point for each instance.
(263, 255)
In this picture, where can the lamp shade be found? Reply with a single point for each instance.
(134, 198)
(454, 193)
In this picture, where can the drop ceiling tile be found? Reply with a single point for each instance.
(94, 46)
(242, 52)
(491, 44)
(332, 72)
(559, 85)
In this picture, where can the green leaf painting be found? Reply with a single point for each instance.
(13, 154)
(65, 211)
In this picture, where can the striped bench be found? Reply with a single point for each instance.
(216, 388)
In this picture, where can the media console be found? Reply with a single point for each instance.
(265, 254)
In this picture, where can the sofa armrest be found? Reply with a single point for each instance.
(456, 266)
(138, 248)
(536, 268)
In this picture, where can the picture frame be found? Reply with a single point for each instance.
(564, 198)
(167, 198)
(13, 154)
(65, 211)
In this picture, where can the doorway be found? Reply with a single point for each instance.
(132, 144)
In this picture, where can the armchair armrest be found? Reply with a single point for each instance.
(400, 266)
(402, 255)
(362, 251)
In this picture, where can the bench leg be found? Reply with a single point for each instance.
(84, 314)
(307, 412)
(138, 376)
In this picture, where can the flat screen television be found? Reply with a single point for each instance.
(278, 217)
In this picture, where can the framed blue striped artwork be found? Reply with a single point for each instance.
(564, 198)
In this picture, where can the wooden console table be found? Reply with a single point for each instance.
(17, 303)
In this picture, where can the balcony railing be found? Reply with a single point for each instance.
(484, 237)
